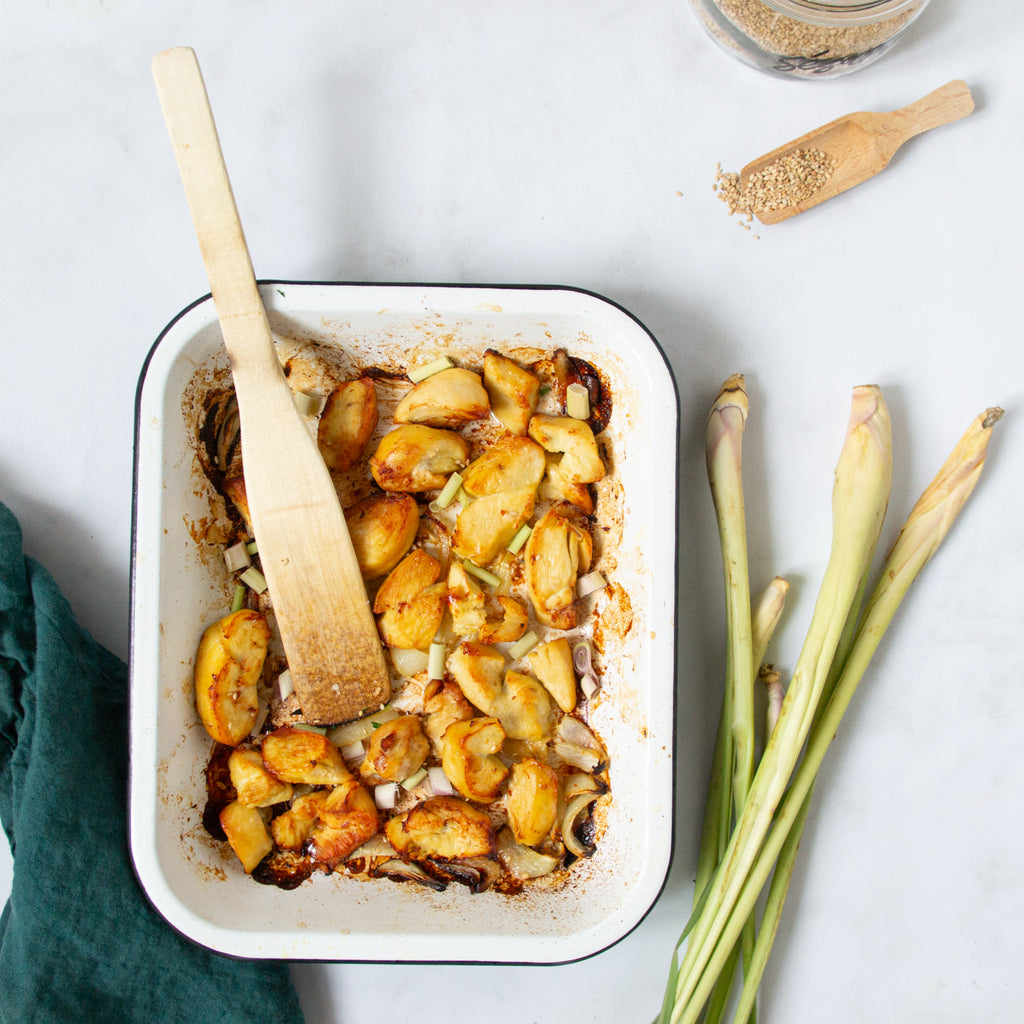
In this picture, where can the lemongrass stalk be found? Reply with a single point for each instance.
(859, 498)
(776, 693)
(925, 529)
(725, 428)
(765, 617)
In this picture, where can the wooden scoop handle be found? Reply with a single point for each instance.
(949, 102)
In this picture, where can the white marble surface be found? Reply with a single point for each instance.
(575, 143)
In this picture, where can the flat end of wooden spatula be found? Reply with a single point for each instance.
(837, 156)
(319, 600)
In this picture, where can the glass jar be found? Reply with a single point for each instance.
(807, 38)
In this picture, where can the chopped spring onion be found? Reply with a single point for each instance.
(253, 578)
(415, 779)
(448, 492)
(435, 664)
(582, 658)
(320, 730)
(589, 684)
(238, 601)
(577, 402)
(236, 557)
(307, 402)
(523, 645)
(353, 751)
(361, 728)
(439, 782)
(464, 497)
(252, 547)
(591, 582)
(418, 373)
(523, 535)
(284, 687)
(482, 574)
(385, 795)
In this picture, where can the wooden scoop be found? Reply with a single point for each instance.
(862, 144)
(329, 634)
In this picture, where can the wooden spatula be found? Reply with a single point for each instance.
(862, 144)
(320, 604)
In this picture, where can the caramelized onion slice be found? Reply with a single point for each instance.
(522, 861)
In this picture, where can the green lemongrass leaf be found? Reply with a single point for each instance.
(666, 1004)
(714, 1012)
(860, 497)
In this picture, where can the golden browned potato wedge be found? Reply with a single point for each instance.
(559, 548)
(451, 398)
(477, 669)
(395, 751)
(513, 391)
(506, 465)
(556, 487)
(346, 820)
(255, 786)
(417, 458)
(442, 828)
(523, 708)
(532, 801)
(347, 423)
(228, 666)
(469, 758)
(552, 664)
(410, 604)
(465, 601)
(581, 462)
(292, 829)
(510, 627)
(443, 705)
(246, 833)
(300, 756)
(234, 488)
(382, 528)
(485, 526)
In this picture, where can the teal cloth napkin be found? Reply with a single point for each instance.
(78, 940)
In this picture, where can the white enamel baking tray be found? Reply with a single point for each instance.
(179, 586)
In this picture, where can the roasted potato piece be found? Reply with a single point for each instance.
(557, 487)
(300, 756)
(234, 488)
(532, 801)
(523, 708)
(465, 601)
(552, 664)
(510, 627)
(417, 458)
(477, 669)
(469, 758)
(445, 705)
(345, 820)
(451, 398)
(581, 462)
(347, 423)
(410, 604)
(255, 786)
(228, 666)
(292, 829)
(441, 828)
(246, 833)
(512, 390)
(506, 465)
(382, 528)
(395, 750)
(559, 548)
(485, 526)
